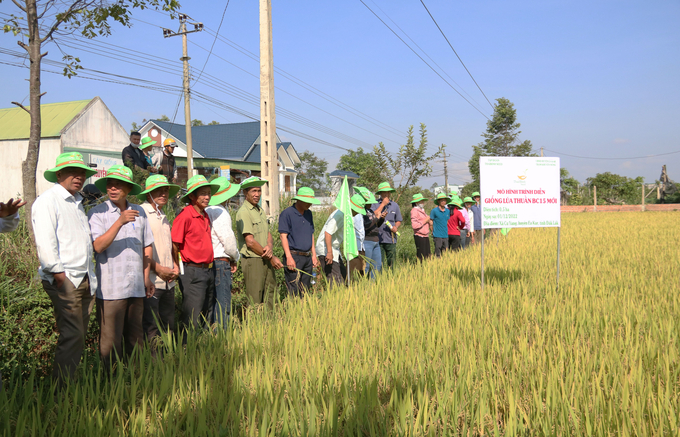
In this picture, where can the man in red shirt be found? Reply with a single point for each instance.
(455, 224)
(192, 240)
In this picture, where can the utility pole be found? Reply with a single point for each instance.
(541, 151)
(187, 96)
(268, 155)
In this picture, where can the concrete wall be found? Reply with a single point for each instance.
(613, 208)
(96, 129)
(13, 153)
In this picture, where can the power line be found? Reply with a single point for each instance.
(214, 41)
(421, 58)
(456, 53)
(592, 157)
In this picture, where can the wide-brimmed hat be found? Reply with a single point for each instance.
(385, 186)
(157, 181)
(252, 182)
(226, 191)
(306, 194)
(357, 203)
(367, 195)
(121, 173)
(441, 196)
(457, 202)
(197, 182)
(169, 142)
(468, 200)
(475, 194)
(418, 198)
(66, 160)
(146, 142)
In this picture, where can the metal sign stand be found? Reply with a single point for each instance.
(480, 209)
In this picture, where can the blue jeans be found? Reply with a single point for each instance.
(222, 301)
(373, 254)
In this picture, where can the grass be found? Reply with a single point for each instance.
(420, 351)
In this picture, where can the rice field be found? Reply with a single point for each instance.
(421, 351)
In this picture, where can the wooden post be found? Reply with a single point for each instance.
(658, 192)
(594, 199)
(643, 196)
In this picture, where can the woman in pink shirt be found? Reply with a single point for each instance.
(420, 222)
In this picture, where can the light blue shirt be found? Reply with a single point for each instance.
(359, 230)
(120, 268)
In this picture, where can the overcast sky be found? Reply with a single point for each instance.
(591, 79)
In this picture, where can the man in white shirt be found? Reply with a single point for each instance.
(330, 239)
(123, 245)
(9, 214)
(64, 245)
(159, 309)
(225, 249)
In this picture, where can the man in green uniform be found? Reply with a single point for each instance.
(256, 246)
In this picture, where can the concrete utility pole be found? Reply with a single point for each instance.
(541, 151)
(268, 156)
(187, 96)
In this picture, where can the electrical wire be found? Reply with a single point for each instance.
(456, 53)
(213, 44)
(593, 157)
(421, 58)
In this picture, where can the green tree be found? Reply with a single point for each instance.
(362, 163)
(90, 18)
(500, 139)
(163, 118)
(213, 123)
(135, 127)
(410, 164)
(569, 188)
(615, 189)
(196, 122)
(312, 172)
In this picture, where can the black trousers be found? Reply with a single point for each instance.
(454, 242)
(335, 273)
(422, 247)
(440, 246)
(159, 313)
(198, 288)
(296, 282)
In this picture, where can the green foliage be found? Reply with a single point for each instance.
(163, 118)
(614, 189)
(500, 139)
(364, 164)
(213, 123)
(196, 122)
(312, 173)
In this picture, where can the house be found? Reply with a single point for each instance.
(85, 126)
(232, 148)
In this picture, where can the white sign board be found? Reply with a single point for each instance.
(519, 192)
(103, 164)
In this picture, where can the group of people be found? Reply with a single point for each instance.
(138, 153)
(454, 222)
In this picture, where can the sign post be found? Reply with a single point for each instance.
(520, 192)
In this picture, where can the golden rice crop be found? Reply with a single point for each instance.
(423, 351)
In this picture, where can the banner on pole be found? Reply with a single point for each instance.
(519, 192)
(349, 238)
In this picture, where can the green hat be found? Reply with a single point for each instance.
(146, 142)
(418, 198)
(385, 186)
(468, 200)
(65, 160)
(197, 182)
(157, 181)
(357, 203)
(441, 196)
(475, 194)
(226, 191)
(253, 181)
(306, 195)
(367, 195)
(121, 173)
(456, 202)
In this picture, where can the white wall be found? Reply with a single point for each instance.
(97, 129)
(13, 153)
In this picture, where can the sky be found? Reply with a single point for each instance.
(588, 79)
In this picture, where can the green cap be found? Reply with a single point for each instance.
(367, 195)
(475, 194)
(468, 200)
(385, 186)
(418, 198)
(197, 182)
(253, 181)
(146, 142)
(226, 191)
(157, 181)
(441, 196)
(357, 203)
(456, 202)
(306, 194)
(121, 173)
(66, 160)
